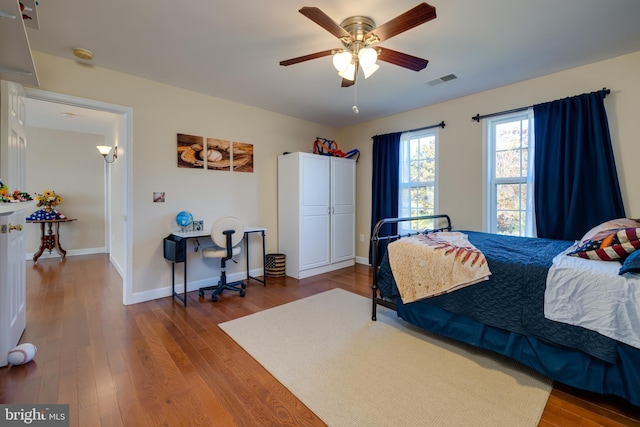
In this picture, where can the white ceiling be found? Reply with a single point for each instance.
(231, 49)
(50, 115)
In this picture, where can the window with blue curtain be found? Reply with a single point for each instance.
(560, 173)
(404, 178)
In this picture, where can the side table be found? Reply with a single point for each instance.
(49, 239)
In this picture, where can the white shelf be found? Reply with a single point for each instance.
(15, 50)
(7, 208)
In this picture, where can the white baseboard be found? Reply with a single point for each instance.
(117, 266)
(362, 260)
(303, 274)
(191, 286)
(71, 252)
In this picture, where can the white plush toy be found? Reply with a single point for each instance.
(22, 354)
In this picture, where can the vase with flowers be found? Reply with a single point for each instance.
(48, 200)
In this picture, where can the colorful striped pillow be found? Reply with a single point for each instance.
(610, 245)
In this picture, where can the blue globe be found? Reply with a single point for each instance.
(184, 219)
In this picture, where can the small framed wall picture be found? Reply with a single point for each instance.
(198, 225)
(158, 197)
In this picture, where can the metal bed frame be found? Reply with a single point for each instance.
(376, 239)
(562, 364)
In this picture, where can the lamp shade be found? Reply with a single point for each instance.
(369, 70)
(341, 60)
(349, 73)
(103, 149)
(367, 57)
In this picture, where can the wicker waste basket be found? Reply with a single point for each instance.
(275, 265)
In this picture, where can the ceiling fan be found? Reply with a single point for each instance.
(360, 38)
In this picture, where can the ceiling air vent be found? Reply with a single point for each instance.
(442, 79)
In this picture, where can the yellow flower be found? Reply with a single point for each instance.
(48, 198)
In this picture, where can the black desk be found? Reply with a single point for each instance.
(175, 250)
(248, 231)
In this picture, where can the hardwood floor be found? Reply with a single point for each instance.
(157, 363)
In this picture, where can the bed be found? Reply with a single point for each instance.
(506, 312)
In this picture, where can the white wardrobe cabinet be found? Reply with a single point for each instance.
(316, 213)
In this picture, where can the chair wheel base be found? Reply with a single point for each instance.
(222, 286)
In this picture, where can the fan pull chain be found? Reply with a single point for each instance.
(355, 98)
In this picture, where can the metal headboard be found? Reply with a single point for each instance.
(376, 238)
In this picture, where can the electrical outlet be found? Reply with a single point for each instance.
(362, 237)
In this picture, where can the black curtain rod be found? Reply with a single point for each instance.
(439, 125)
(478, 117)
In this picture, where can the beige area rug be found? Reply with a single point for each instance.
(351, 371)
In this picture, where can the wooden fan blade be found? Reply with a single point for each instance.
(402, 59)
(306, 57)
(412, 18)
(322, 19)
(347, 83)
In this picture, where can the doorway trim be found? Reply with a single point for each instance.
(125, 146)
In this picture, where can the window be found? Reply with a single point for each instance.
(418, 178)
(509, 167)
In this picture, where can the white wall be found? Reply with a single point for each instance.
(460, 161)
(81, 185)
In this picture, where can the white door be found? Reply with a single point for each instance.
(13, 306)
(12, 253)
(13, 141)
(314, 212)
(343, 209)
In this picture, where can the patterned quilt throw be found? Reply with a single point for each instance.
(427, 265)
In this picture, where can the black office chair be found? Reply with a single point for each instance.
(227, 233)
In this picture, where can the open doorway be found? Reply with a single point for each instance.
(88, 121)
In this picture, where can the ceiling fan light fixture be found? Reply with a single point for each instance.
(368, 71)
(349, 73)
(357, 33)
(367, 57)
(342, 60)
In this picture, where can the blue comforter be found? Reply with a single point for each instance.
(513, 297)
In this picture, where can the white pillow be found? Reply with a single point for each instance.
(611, 225)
